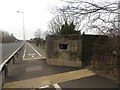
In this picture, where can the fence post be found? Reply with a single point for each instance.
(17, 54)
(6, 70)
(0, 80)
(13, 60)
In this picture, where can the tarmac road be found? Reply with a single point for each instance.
(8, 49)
(90, 82)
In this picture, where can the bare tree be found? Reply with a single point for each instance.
(5, 37)
(38, 33)
(38, 37)
(55, 25)
(0, 37)
(101, 17)
(45, 33)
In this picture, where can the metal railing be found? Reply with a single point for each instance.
(5, 64)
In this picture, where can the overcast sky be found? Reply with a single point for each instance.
(36, 15)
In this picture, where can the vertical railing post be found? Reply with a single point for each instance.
(13, 59)
(0, 80)
(17, 54)
(6, 70)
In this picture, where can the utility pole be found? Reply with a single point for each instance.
(23, 25)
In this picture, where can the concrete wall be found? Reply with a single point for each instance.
(64, 50)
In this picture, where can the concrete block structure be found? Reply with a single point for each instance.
(64, 50)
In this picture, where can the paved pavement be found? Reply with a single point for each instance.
(33, 70)
(50, 79)
(39, 49)
(30, 53)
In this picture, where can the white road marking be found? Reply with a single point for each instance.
(43, 58)
(24, 51)
(43, 87)
(57, 87)
(35, 50)
(31, 55)
(33, 58)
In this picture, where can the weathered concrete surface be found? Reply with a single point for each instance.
(51, 79)
(64, 50)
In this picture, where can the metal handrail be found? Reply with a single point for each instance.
(2, 65)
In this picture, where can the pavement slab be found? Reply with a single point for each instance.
(51, 79)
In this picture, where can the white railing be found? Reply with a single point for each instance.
(5, 63)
